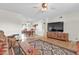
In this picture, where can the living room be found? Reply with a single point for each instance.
(39, 28)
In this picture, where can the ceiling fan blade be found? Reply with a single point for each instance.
(53, 8)
(35, 7)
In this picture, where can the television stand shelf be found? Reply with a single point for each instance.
(58, 35)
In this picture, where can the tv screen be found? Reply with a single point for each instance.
(55, 27)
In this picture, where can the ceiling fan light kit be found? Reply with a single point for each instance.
(44, 7)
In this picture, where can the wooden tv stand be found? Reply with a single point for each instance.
(58, 35)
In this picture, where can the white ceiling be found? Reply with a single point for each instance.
(27, 10)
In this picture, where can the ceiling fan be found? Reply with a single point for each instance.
(43, 7)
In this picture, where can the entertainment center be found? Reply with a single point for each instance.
(55, 31)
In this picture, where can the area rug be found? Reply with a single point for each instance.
(46, 48)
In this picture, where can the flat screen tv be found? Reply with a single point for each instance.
(55, 27)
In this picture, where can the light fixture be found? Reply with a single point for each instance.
(44, 7)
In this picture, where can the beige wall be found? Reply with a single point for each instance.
(71, 24)
(10, 22)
